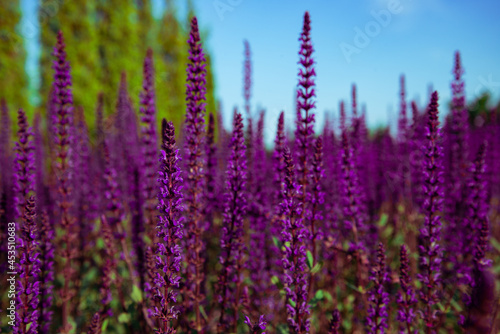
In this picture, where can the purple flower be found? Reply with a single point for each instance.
(294, 235)
(194, 143)
(149, 143)
(416, 155)
(211, 176)
(29, 272)
(403, 146)
(24, 164)
(430, 234)
(169, 232)
(108, 267)
(95, 325)
(378, 296)
(349, 184)
(257, 327)
(406, 297)
(305, 118)
(47, 235)
(335, 323)
(62, 106)
(232, 246)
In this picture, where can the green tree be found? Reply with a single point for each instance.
(76, 20)
(13, 82)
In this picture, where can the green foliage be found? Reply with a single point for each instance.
(13, 81)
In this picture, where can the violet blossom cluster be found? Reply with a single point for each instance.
(47, 274)
(195, 164)
(406, 298)
(258, 327)
(231, 241)
(169, 231)
(430, 252)
(378, 296)
(294, 235)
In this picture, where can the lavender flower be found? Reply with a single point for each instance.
(430, 249)
(29, 272)
(194, 129)
(278, 160)
(170, 232)
(305, 104)
(95, 325)
(476, 214)
(211, 185)
(24, 176)
(247, 93)
(351, 199)
(46, 274)
(416, 155)
(335, 323)
(138, 229)
(232, 246)
(108, 268)
(403, 143)
(257, 327)
(294, 255)
(377, 296)
(149, 141)
(62, 121)
(406, 298)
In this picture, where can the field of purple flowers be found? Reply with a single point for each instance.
(202, 229)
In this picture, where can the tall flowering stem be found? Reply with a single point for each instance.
(317, 199)
(47, 249)
(194, 127)
(232, 247)
(24, 164)
(95, 324)
(258, 327)
(430, 250)
(334, 323)
(29, 272)
(149, 141)
(476, 212)
(406, 297)
(378, 297)
(247, 94)
(294, 235)
(305, 104)
(63, 121)
(403, 166)
(169, 231)
(211, 185)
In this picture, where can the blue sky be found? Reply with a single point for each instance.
(418, 39)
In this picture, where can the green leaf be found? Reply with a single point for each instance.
(104, 325)
(124, 318)
(276, 242)
(275, 280)
(310, 260)
(383, 220)
(495, 244)
(291, 302)
(203, 313)
(328, 296)
(136, 294)
(28, 326)
(455, 305)
(316, 268)
(319, 294)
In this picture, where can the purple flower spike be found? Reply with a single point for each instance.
(294, 236)
(305, 104)
(377, 296)
(430, 234)
(403, 142)
(194, 143)
(95, 325)
(335, 323)
(349, 184)
(24, 164)
(406, 298)
(47, 249)
(232, 246)
(257, 327)
(29, 272)
(62, 105)
(149, 141)
(170, 233)
(211, 175)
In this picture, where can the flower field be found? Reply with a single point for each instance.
(137, 224)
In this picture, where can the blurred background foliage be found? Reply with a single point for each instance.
(103, 38)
